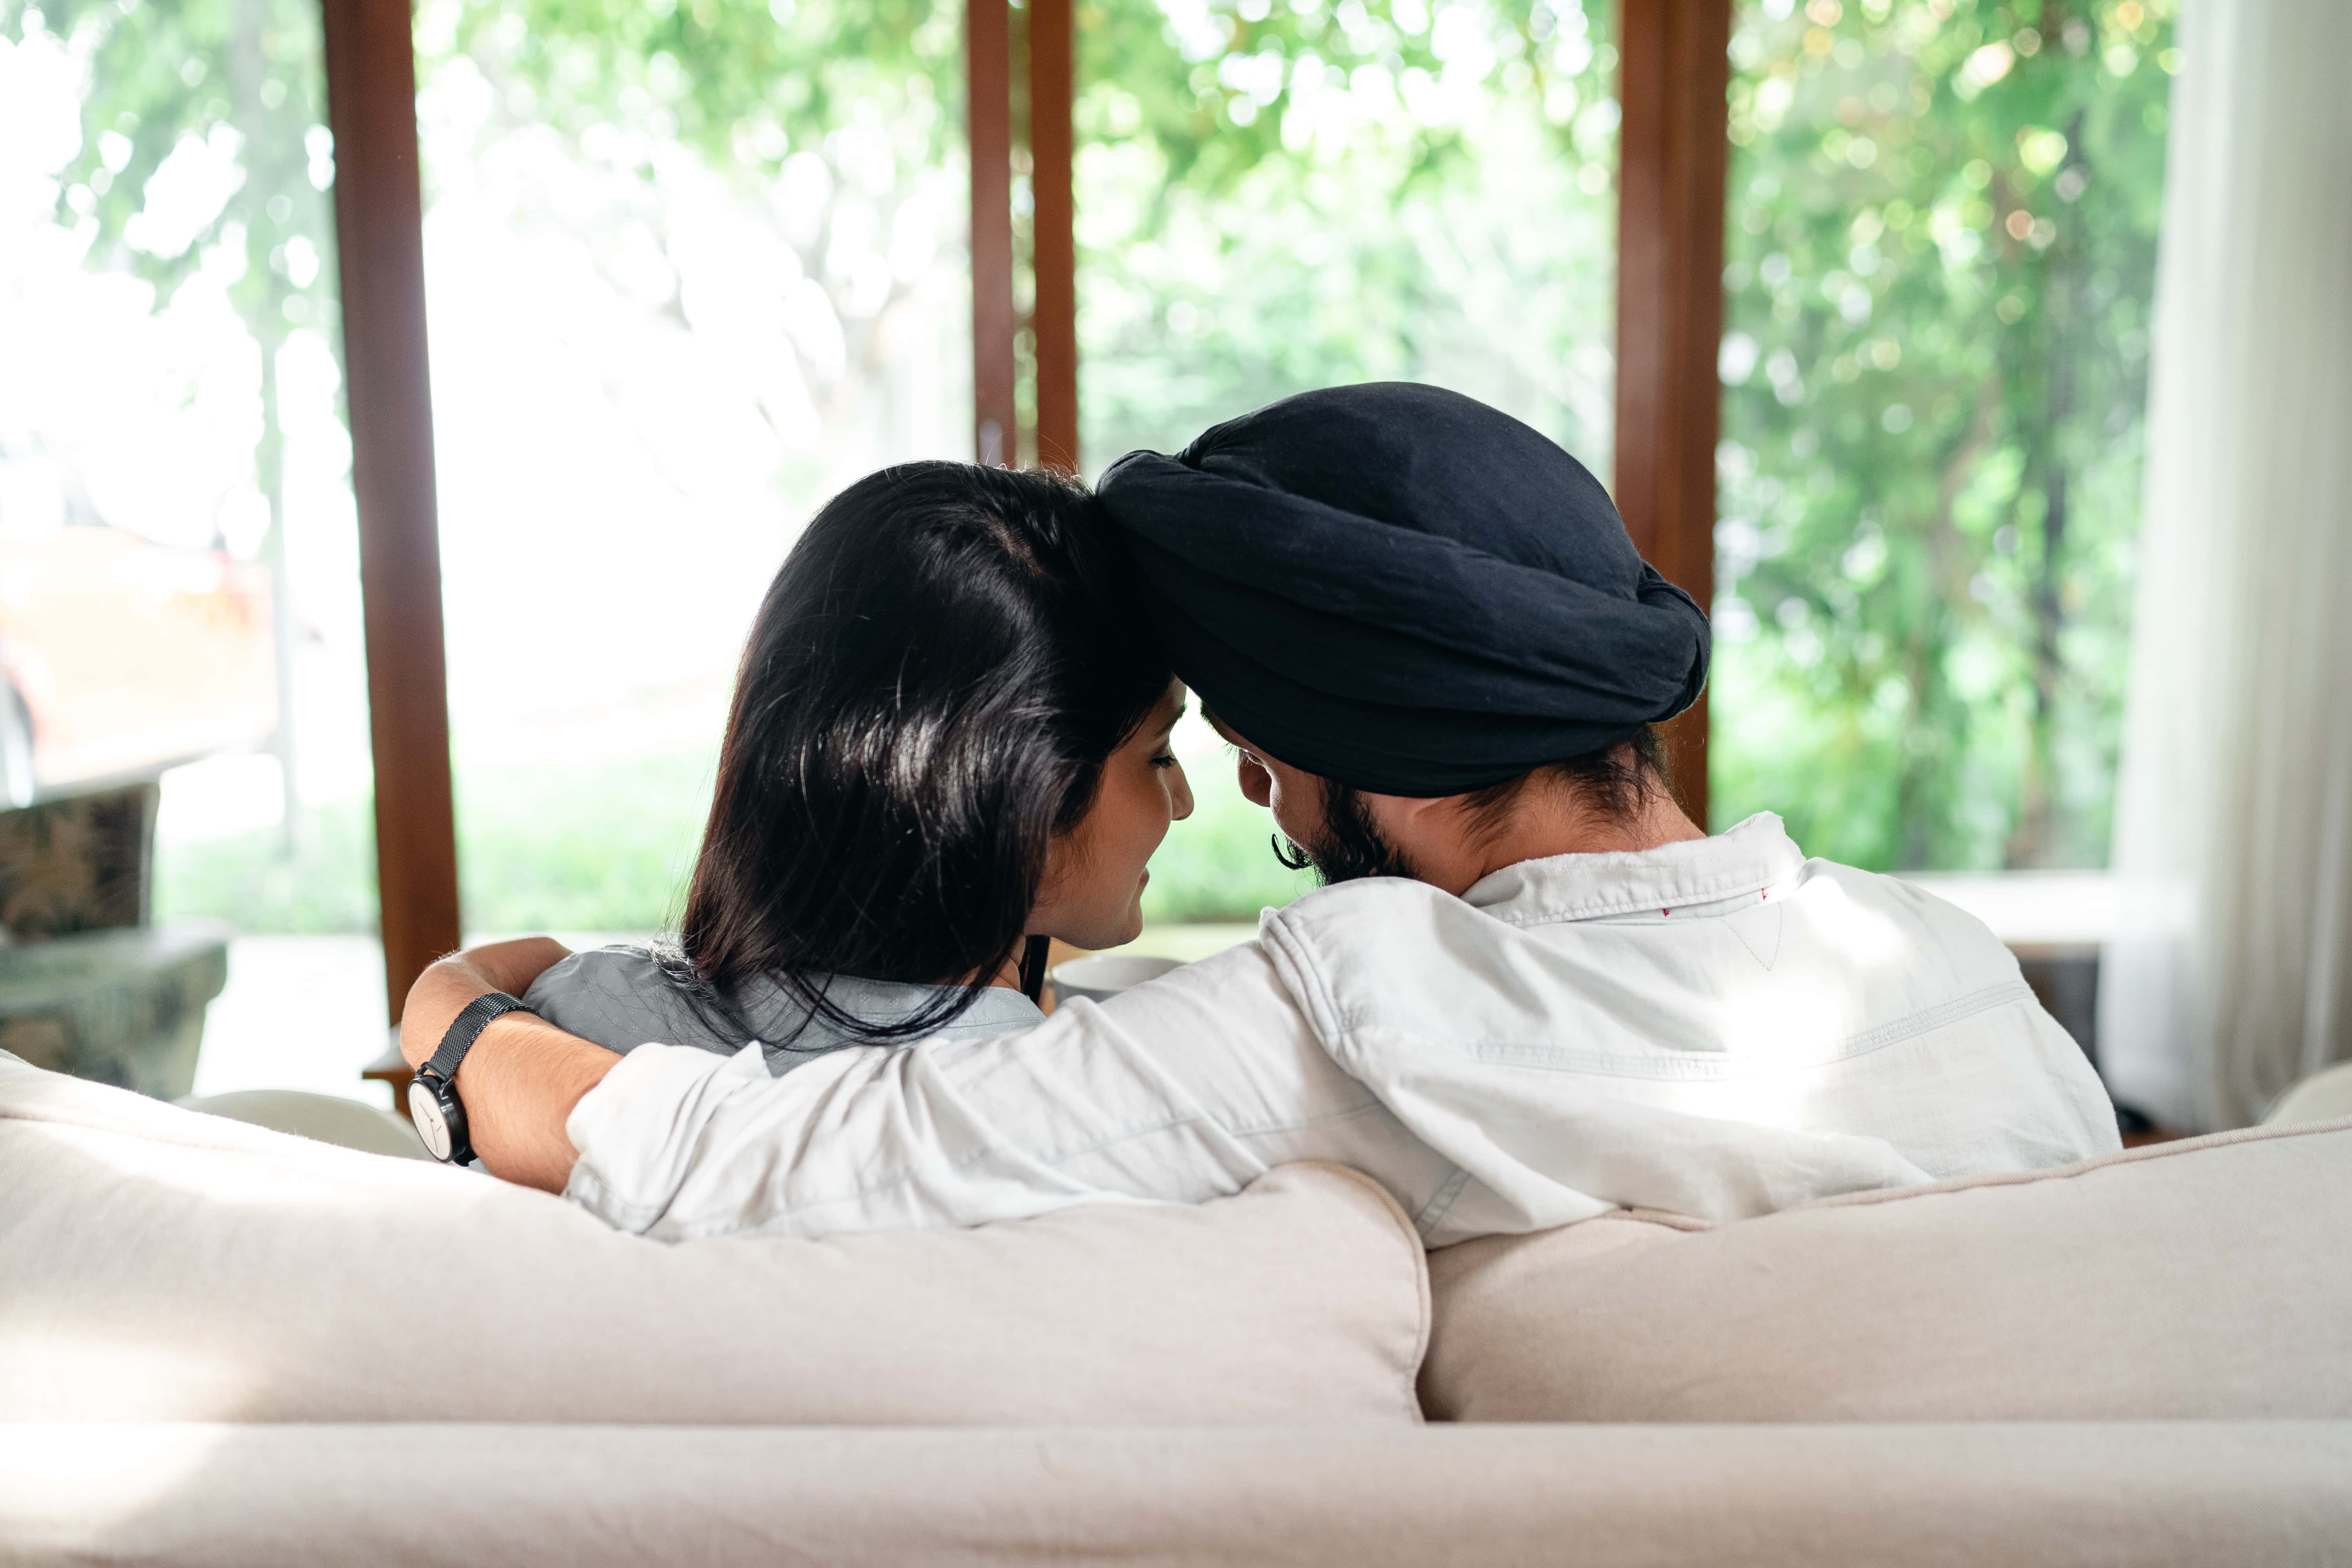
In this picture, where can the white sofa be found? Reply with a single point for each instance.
(220, 1344)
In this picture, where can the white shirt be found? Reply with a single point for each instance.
(1719, 1028)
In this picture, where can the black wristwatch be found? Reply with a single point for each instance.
(433, 1102)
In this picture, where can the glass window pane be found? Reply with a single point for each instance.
(177, 542)
(689, 269)
(1941, 251)
(1278, 197)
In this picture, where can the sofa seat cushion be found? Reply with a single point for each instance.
(2149, 1495)
(163, 1264)
(2203, 1278)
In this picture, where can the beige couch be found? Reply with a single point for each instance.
(220, 1344)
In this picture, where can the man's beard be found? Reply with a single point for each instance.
(1349, 846)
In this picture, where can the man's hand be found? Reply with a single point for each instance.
(443, 991)
(523, 1075)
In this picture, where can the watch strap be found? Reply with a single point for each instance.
(466, 1029)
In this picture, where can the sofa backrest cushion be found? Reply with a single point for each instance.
(157, 1264)
(2325, 1096)
(2209, 1279)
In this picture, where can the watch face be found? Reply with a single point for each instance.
(425, 1112)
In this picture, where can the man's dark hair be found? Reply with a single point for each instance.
(1616, 782)
(935, 680)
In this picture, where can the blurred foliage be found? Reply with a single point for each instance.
(606, 849)
(835, 126)
(1274, 197)
(831, 132)
(1941, 247)
(168, 86)
(1271, 198)
(746, 84)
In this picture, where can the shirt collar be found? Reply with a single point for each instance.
(1749, 858)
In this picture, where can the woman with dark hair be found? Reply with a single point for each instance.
(947, 744)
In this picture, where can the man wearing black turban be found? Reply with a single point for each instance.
(1405, 590)
(1537, 992)
(1395, 589)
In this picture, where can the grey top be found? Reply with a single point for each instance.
(618, 997)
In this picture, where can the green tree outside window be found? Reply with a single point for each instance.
(1941, 251)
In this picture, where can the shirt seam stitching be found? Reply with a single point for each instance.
(1572, 912)
(1441, 1204)
(1266, 1129)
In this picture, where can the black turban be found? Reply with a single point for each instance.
(1401, 589)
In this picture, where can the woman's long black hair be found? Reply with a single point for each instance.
(941, 669)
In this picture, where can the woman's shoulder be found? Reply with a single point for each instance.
(790, 1036)
(608, 973)
(621, 998)
(888, 1002)
(623, 960)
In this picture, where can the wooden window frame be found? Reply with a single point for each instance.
(1673, 162)
(1674, 152)
(388, 392)
(988, 119)
(1053, 253)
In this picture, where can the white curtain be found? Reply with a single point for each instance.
(2230, 975)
